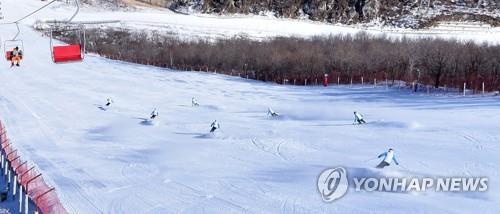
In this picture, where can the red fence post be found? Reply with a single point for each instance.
(325, 80)
(4, 146)
(25, 162)
(22, 175)
(15, 150)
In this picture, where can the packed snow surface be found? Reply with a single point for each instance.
(111, 160)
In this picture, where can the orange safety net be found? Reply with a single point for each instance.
(44, 196)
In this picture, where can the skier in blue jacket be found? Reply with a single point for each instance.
(388, 158)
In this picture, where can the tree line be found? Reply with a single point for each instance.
(436, 62)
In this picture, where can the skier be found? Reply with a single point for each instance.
(154, 114)
(108, 102)
(272, 113)
(388, 158)
(194, 102)
(16, 56)
(215, 125)
(358, 118)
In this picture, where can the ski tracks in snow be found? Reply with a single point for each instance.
(286, 205)
(145, 179)
(275, 149)
(474, 141)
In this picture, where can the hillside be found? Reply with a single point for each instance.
(404, 13)
(113, 160)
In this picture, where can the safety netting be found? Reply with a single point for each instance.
(28, 177)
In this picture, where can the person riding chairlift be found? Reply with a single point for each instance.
(16, 56)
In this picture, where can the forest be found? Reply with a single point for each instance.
(345, 58)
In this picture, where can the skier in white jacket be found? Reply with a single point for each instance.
(358, 118)
(388, 158)
(108, 102)
(194, 102)
(271, 112)
(215, 125)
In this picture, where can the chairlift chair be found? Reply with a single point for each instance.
(72, 52)
(10, 44)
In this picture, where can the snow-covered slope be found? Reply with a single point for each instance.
(112, 162)
(398, 13)
(217, 27)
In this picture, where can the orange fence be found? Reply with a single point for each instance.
(27, 180)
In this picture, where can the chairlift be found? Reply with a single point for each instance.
(72, 52)
(9, 45)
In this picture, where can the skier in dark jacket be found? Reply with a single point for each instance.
(154, 114)
(215, 125)
(358, 118)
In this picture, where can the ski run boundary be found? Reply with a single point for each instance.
(24, 183)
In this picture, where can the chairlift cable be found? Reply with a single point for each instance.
(30, 14)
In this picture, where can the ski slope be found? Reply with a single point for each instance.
(112, 162)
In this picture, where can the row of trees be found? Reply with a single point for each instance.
(433, 62)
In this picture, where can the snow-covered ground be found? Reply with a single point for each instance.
(203, 26)
(113, 162)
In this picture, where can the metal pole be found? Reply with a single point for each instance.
(14, 186)
(8, 177)
(76, 12)
(18, 32)
(6, 167)
(26, 201)
(41, 195)
(26, 198)
(51, 45)
(465, 87)
(84, 41)
(20, 199)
